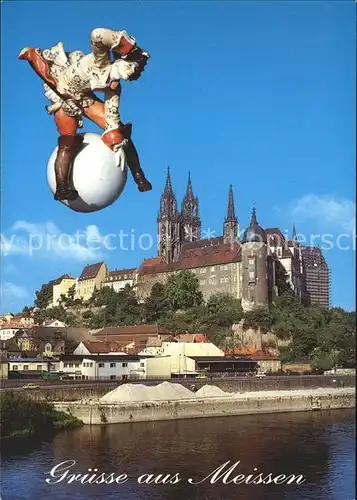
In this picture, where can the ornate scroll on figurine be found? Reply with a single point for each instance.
(70, 80)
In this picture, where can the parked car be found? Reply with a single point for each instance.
(31, 386)
(260, 375)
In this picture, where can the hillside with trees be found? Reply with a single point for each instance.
(325, 336)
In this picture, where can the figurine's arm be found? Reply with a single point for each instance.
(111, 107)
(104, 40)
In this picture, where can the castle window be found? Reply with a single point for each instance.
(221, 280)
(279, 252)
(251, 275)
(212, 269)
(251, 262)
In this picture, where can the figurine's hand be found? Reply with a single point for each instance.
(114, 139)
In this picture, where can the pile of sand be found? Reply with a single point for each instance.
(139, 392)
(211, 391)
(167, 391)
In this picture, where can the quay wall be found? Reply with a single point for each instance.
(103, 413)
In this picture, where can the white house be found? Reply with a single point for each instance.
(117, 280)
(115, 366)
(28, 364)
(180, 354)
(55, 323)
(7, 332)
(110, 367)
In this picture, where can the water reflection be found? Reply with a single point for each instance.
(318, 445)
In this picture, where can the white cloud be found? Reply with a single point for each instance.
(11, 292)
(327, 212)
(46, 240)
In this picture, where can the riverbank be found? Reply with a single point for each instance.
(23, 418)
(102, 412)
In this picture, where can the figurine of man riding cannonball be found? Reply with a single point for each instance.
(70, 80)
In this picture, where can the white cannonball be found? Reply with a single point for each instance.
(98, 174)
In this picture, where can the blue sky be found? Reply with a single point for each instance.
(257, 94)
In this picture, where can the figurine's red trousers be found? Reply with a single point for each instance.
(67, 125)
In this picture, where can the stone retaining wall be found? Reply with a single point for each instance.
(100, 414)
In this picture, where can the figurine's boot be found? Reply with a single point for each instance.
(38, 63)
(117, 136)
(134, 162)
(68, 147)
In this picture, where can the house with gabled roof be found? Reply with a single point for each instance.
(91, 278)
(98, 347)
(61, 287)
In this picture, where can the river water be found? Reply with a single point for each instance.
(319, 446)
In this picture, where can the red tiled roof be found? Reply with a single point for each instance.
(153, 261)
(192, 337)
(12, 324)
(57, 281)
(203, 243)
(223, 253)
(90, 271)
(240, 351)
(97, 347)
(263, 356)
(251, 353)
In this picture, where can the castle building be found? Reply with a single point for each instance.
(244, 269)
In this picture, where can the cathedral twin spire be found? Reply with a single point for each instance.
(178, 227)
(189, 216)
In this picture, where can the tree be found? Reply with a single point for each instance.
(26, 311)
(224, 310)
(63, 299)
(157, 304)
(44, 296)
(183, 291)
(288, 316)
(71, 292)
(40, 316)
(106, 296)
(129, 312)
(258, 318)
